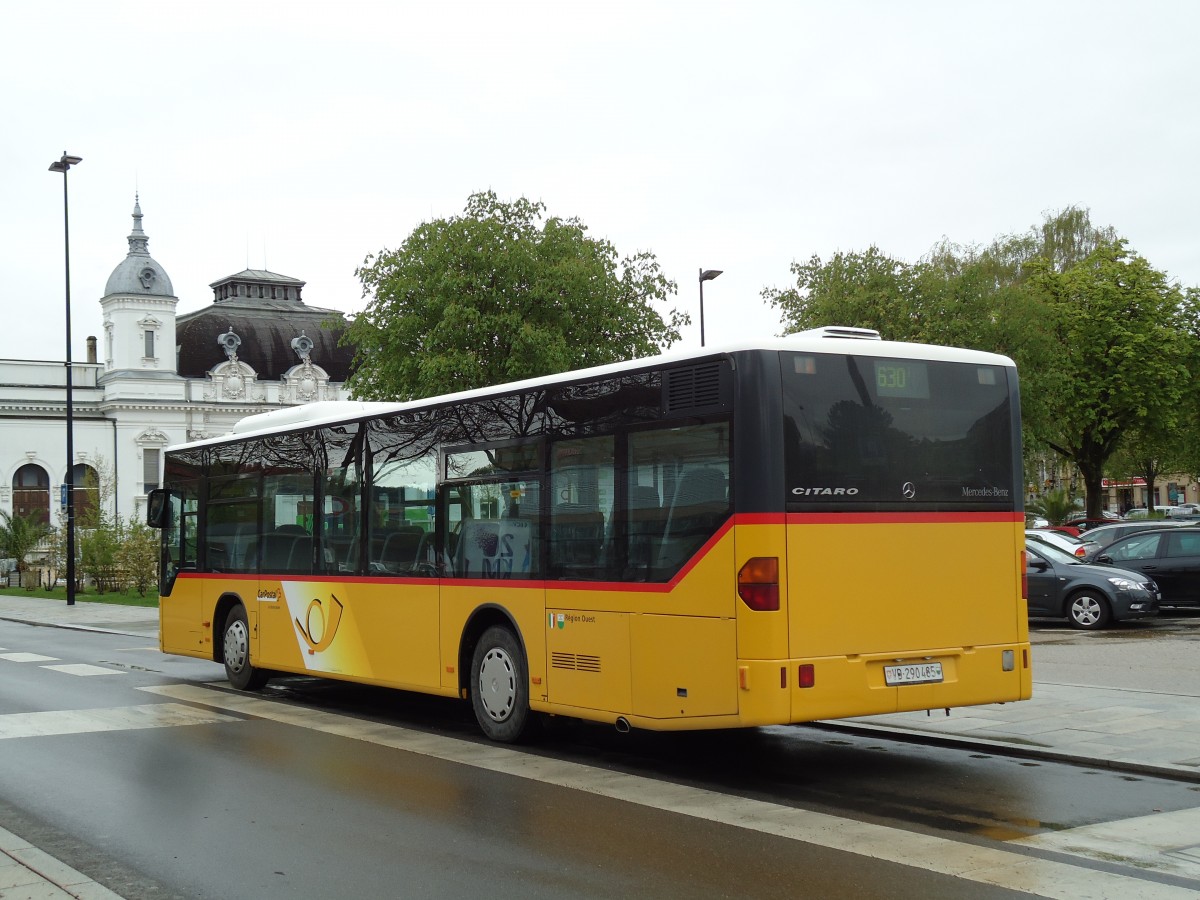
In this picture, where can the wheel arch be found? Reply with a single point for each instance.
(477, 623)
(225, 603)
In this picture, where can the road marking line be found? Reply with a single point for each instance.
(1165, 842)
(985, 865)
(27, 657)
(84, 669)
(119, 718)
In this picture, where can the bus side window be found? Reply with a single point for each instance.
(678, 496)
(401, 510)
(582, 479)
(498, 534)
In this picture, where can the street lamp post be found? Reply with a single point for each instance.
(705, 275)
(62, 165)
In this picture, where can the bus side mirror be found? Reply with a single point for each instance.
(158, 508)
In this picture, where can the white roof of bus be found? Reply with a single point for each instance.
(816, 340)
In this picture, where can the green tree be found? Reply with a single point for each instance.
(865, 290)
(497, 294)
(1118, 361)
(19, 537)
(136, 556)
(1056, 506)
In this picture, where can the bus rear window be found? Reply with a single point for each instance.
(877, 433)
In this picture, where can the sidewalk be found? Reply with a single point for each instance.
(1147, 732)
(139, 621)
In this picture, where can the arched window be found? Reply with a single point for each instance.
(31, 493)
(86, 482)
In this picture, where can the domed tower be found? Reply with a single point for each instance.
(139, 309)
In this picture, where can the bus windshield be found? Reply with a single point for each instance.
(868, 432)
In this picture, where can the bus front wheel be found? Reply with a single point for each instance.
(236, 645)
(500, 685)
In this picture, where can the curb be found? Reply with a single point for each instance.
(1003, 748)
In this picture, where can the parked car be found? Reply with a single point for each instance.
(1106, 534)
(1078, 547)
(1083, 524)
(1087, 596)
(1171, 556)
(1162, 512)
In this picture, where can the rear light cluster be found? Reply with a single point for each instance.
(758, 583)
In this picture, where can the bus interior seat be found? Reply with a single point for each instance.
(398, 551)
(646, 526)
(700, 504)
(300, 559)
(282, 553)
(576, 538)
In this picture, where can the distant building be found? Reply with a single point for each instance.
(163, 379)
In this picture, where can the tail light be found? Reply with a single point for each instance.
(758, 583)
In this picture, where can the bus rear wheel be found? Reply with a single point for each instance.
(236, 645)
(500, 686)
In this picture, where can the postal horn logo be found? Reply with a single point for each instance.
(320, 623)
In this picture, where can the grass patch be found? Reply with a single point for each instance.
(126, 598)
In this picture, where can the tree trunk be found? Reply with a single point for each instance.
(1093, 487)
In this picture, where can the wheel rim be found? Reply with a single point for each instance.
(1085, 611)
(498, 684)
(237, 645)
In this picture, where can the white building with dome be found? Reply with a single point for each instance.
(157, 377)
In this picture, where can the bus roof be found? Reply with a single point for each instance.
(850, 341)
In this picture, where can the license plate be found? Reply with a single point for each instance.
(920, 673)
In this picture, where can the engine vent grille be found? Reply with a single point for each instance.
(576, 662)
(698, 388)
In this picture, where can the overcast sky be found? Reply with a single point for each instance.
(301, 136)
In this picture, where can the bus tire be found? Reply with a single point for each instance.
(500, 686)
(235, 642)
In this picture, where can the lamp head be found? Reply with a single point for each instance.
(61, 165)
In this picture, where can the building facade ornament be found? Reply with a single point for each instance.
(160, 381)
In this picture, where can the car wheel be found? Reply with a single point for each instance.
(236, 645)
(500, 685)
(1088, 610)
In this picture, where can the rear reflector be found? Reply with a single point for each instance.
(806, 676)
(758, 583)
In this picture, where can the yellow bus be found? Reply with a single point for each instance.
(818, 526)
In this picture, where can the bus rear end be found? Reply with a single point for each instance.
(900, 553)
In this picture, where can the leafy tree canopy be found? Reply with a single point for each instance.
(1118, 361)
(497, 294)
(1103, 342)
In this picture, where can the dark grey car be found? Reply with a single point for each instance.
(1088, 596)
(1171, 556)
